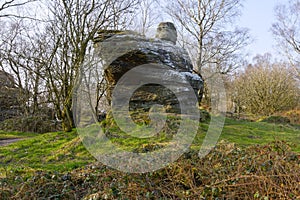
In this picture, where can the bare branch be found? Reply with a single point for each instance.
(286, 30)
(12, 4)
(205, 21)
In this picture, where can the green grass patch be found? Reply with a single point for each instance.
(52, 151)
(246, 133)
(11, 135)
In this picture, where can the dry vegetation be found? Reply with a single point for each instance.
(228, 172)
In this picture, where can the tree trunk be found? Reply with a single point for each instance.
(67, 117)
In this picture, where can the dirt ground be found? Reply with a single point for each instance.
(9, 141)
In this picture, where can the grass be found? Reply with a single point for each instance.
(60, 151)
(12, 135)
(245, 133)
(59, 161)
(51, 151)
(227, 172)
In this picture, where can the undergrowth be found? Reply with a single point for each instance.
(257, 161)
(227, 172)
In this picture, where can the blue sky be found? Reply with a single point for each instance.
(258, 16)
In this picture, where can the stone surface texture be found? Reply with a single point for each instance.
(122, 51)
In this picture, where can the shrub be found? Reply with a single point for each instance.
(36, 124)
(265, 88)
(277, 120)
(293, 115)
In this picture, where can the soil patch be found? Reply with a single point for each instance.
(5, 142)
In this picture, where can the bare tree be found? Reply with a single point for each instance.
(265, 87)
(147, 16)
(207, 24)
(286, 29)
(73, 26)
(20, 53)
(10, 4)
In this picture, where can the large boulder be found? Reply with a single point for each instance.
(122, 51)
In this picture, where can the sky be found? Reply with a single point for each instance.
(258, 16)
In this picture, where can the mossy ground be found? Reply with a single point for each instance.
(255, 151)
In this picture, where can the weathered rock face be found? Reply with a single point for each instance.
(166, 31)
(124, 51)
(6, 80)
(8, 97)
